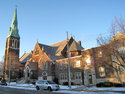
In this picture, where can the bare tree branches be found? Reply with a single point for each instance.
(114, 42)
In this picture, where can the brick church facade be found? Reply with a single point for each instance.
(50, 62)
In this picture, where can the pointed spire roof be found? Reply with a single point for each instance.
(13, 31)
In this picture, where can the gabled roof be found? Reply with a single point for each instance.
(50, 51)
(54, 51)
(25, 57)
(60, 46)
(75, 46)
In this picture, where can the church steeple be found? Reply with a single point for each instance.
(12, 51)
(13, 31)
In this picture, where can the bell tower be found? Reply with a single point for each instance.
(11, 59)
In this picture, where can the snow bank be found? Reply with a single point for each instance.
(108, 88)
(72, 87)
(78, 92)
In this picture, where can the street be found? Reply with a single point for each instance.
(6, 90)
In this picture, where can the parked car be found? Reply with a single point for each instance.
(3, 83)
(46, 84)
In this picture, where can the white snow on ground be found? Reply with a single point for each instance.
(20, 86)
(66, 87)
(108, 88)
(78, 92)
(26, 88)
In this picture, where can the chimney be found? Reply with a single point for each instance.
(79, 42)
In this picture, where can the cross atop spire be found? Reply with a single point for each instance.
(13, 31)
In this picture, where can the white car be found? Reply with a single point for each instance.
(46, 84)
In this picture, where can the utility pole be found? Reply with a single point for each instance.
(69, 77)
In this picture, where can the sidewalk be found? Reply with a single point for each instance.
(96, 89)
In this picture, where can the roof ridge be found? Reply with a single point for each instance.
(58, 42)
(44, 44)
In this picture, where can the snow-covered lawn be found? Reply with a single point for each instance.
(20, 85)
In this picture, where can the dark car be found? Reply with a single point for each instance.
(3, 83)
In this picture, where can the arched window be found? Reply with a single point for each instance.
(15, 43)
(12, 43)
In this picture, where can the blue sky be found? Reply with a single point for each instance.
(48, 20)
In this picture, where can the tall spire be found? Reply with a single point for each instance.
(13, 31)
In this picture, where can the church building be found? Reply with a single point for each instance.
(12, 69)
(49, 62)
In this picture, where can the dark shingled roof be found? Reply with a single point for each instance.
(60, 46)
(54, 50)
(25, 57)
(75, 47)
(50, 51)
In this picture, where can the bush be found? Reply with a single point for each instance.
(56, 80)
(109, 84)
(33, 82)
(66, 83)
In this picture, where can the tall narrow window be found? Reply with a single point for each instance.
(100, 54)
(15, 43)
(88, 61)
(102, 72)
(63, 76)
(12, 43)
(78, 75)
(45, 66)
(18, 44)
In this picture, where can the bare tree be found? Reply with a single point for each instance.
(1, 65)
(114, 43)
